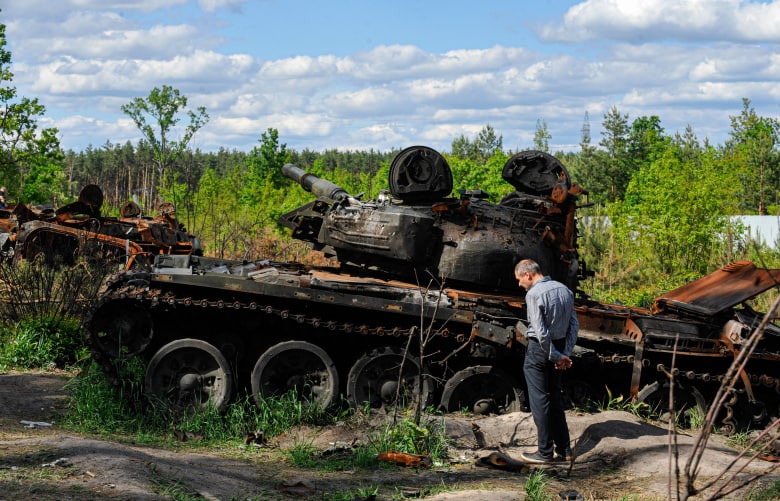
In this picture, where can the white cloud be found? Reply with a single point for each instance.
(213, 5)
(89, 57)
(684, 20)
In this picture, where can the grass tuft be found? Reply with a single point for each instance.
(536, 487)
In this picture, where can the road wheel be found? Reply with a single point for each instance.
(482, 389)
(375, 377)
(689, 404)
(297, 366)
(190, 373)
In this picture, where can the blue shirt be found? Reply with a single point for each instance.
(551, 316)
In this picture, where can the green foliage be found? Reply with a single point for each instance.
(695, 417)
(542, 136)
(27, 154)
(673, 220)
(44, 182)
(469, 175)
(619, 403)
(276, 415)
(766, 492)
(739, 440)
(265, 164)
(41, 343)
(225, 225)
(752, 149)
(41, 308)
(359, 493)
(427, 438)
(97, 404)
(156, 117)
(405, 436)
(479, 150)
(303, 454)
(536, 487)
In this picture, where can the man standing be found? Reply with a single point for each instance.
(552, 334)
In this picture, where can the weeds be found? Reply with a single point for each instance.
(765, 492)
(303, 454)
(98, 405)
(352, 494)
(695, 417)
(427, 439)
(40, 311)
(170, 488)
(41, 343)
(536, 487)
(39, 291)
(406, 436)
(639, 409)
(739, 440)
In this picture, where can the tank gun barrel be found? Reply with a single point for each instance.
(317, 185)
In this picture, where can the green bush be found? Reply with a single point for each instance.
(41, 343)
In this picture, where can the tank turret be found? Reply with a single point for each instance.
(419, 230)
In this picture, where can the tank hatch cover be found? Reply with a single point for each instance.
(419, 174)
(535, 172)
(719, 290)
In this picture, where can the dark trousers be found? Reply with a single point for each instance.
(545, 399)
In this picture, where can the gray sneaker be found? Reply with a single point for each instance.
(567, 456)
(535, 457)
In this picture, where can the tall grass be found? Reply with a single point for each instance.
(41, 343)
(98, 405)
(41, 307)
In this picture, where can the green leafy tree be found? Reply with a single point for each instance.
(30, 158)
(613, 176)
(484, 146)
(265, 164)
(646, 141)
(604, 172)
(673, 221)
(753, 150)
(542, 137)
(469, 175)
(688, 143)
(157, 117)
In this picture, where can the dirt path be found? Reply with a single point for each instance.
(617, 455)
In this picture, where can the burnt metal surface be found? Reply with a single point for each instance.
(413, 269)
(467, 241)
(131, 239)
(722, 289)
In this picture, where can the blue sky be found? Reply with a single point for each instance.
(373, 74)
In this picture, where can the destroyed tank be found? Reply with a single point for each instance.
(79, 229)
(420, 306)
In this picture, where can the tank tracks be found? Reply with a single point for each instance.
(470, 380)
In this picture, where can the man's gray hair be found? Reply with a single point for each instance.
(528, 265)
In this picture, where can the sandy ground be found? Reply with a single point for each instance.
(616, 456)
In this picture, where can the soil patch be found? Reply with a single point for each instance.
(616, 455)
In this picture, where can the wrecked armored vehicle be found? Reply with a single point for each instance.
(421, 306)
(79, 228)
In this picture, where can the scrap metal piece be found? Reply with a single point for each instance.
(718, 291)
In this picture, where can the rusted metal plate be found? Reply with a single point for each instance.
(719, 290)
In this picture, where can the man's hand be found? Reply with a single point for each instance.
(563, 364)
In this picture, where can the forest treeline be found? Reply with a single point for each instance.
(656, 214)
